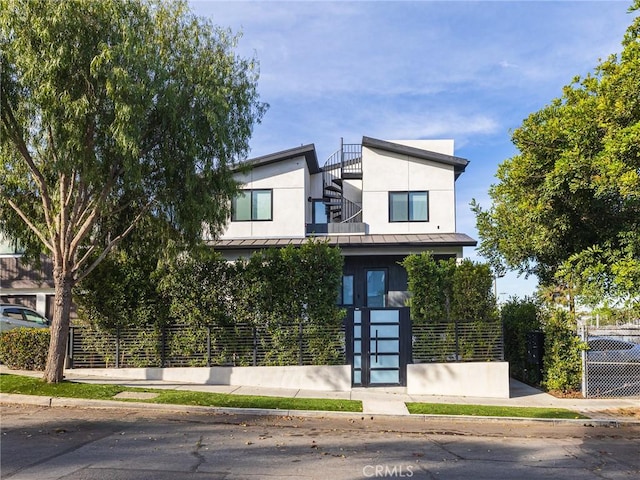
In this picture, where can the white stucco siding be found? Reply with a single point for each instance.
(289, 183)
(385, 172)
(444, 146)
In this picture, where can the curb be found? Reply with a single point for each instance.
(51, 402)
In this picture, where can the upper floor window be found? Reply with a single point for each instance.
(408, 206)
(252, 205)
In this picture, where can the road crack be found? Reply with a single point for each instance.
(199, 457)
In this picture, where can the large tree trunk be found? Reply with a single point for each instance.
(54, 369)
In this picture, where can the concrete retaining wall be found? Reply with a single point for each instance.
(481, 379)
(325, 378)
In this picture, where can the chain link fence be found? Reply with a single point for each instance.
(194, 346)
(611, 363)
(458, 341)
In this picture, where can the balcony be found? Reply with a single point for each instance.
(348, 228)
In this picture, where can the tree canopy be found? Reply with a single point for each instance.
(112, 110)
(567, 206)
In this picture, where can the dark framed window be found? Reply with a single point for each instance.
(346, 291)
(319, 212)
(377, 287)
(252, 205)
(409, 206)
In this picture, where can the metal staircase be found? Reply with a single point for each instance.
(345, 164)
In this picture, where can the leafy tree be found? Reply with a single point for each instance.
(567, 207)
(122, 289)
(109, 108)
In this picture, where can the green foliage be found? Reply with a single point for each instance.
(472, 297)
(287, 297)
(567, 207)
(33, 386)
(442, 290)
(453, 309)
(562, 357)
(297, 286)
(144, 102)
(24, 348)
(490, 411)
(606, 314)
(519, 317)
(110, 111)
(198, 287)
(431, 287)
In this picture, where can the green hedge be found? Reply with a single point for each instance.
(562, 353)
(25, 348)
(519, 317)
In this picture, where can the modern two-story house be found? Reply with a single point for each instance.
(379, 201)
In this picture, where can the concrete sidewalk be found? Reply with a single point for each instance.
(387, 400)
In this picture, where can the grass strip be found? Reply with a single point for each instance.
(491, 411)
(181, 397)
(35, 386)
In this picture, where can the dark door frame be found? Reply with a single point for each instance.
(405, 354)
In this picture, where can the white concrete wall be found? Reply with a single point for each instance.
(465, 379)
(384, 172)
(289, 181)
(444, 146)
(323, 378)
(481, 379)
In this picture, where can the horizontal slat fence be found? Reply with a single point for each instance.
(193, 346)
(457, 341)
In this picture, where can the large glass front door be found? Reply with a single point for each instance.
(379, 346)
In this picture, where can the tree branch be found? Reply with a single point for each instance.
(15, 134)
(93, 210)
(35, 230)
(108, 248)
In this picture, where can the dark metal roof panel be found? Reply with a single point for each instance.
(355, 241)
(306, 151)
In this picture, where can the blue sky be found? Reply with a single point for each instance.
(466, 70)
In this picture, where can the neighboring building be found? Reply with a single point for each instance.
(25, 284)
(378, 201)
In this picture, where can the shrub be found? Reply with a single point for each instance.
(562, 357)
(520, 317)
(25, 348)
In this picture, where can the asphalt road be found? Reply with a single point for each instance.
(86, 444)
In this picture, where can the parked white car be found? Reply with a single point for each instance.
(603, 349)
(15, 316)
